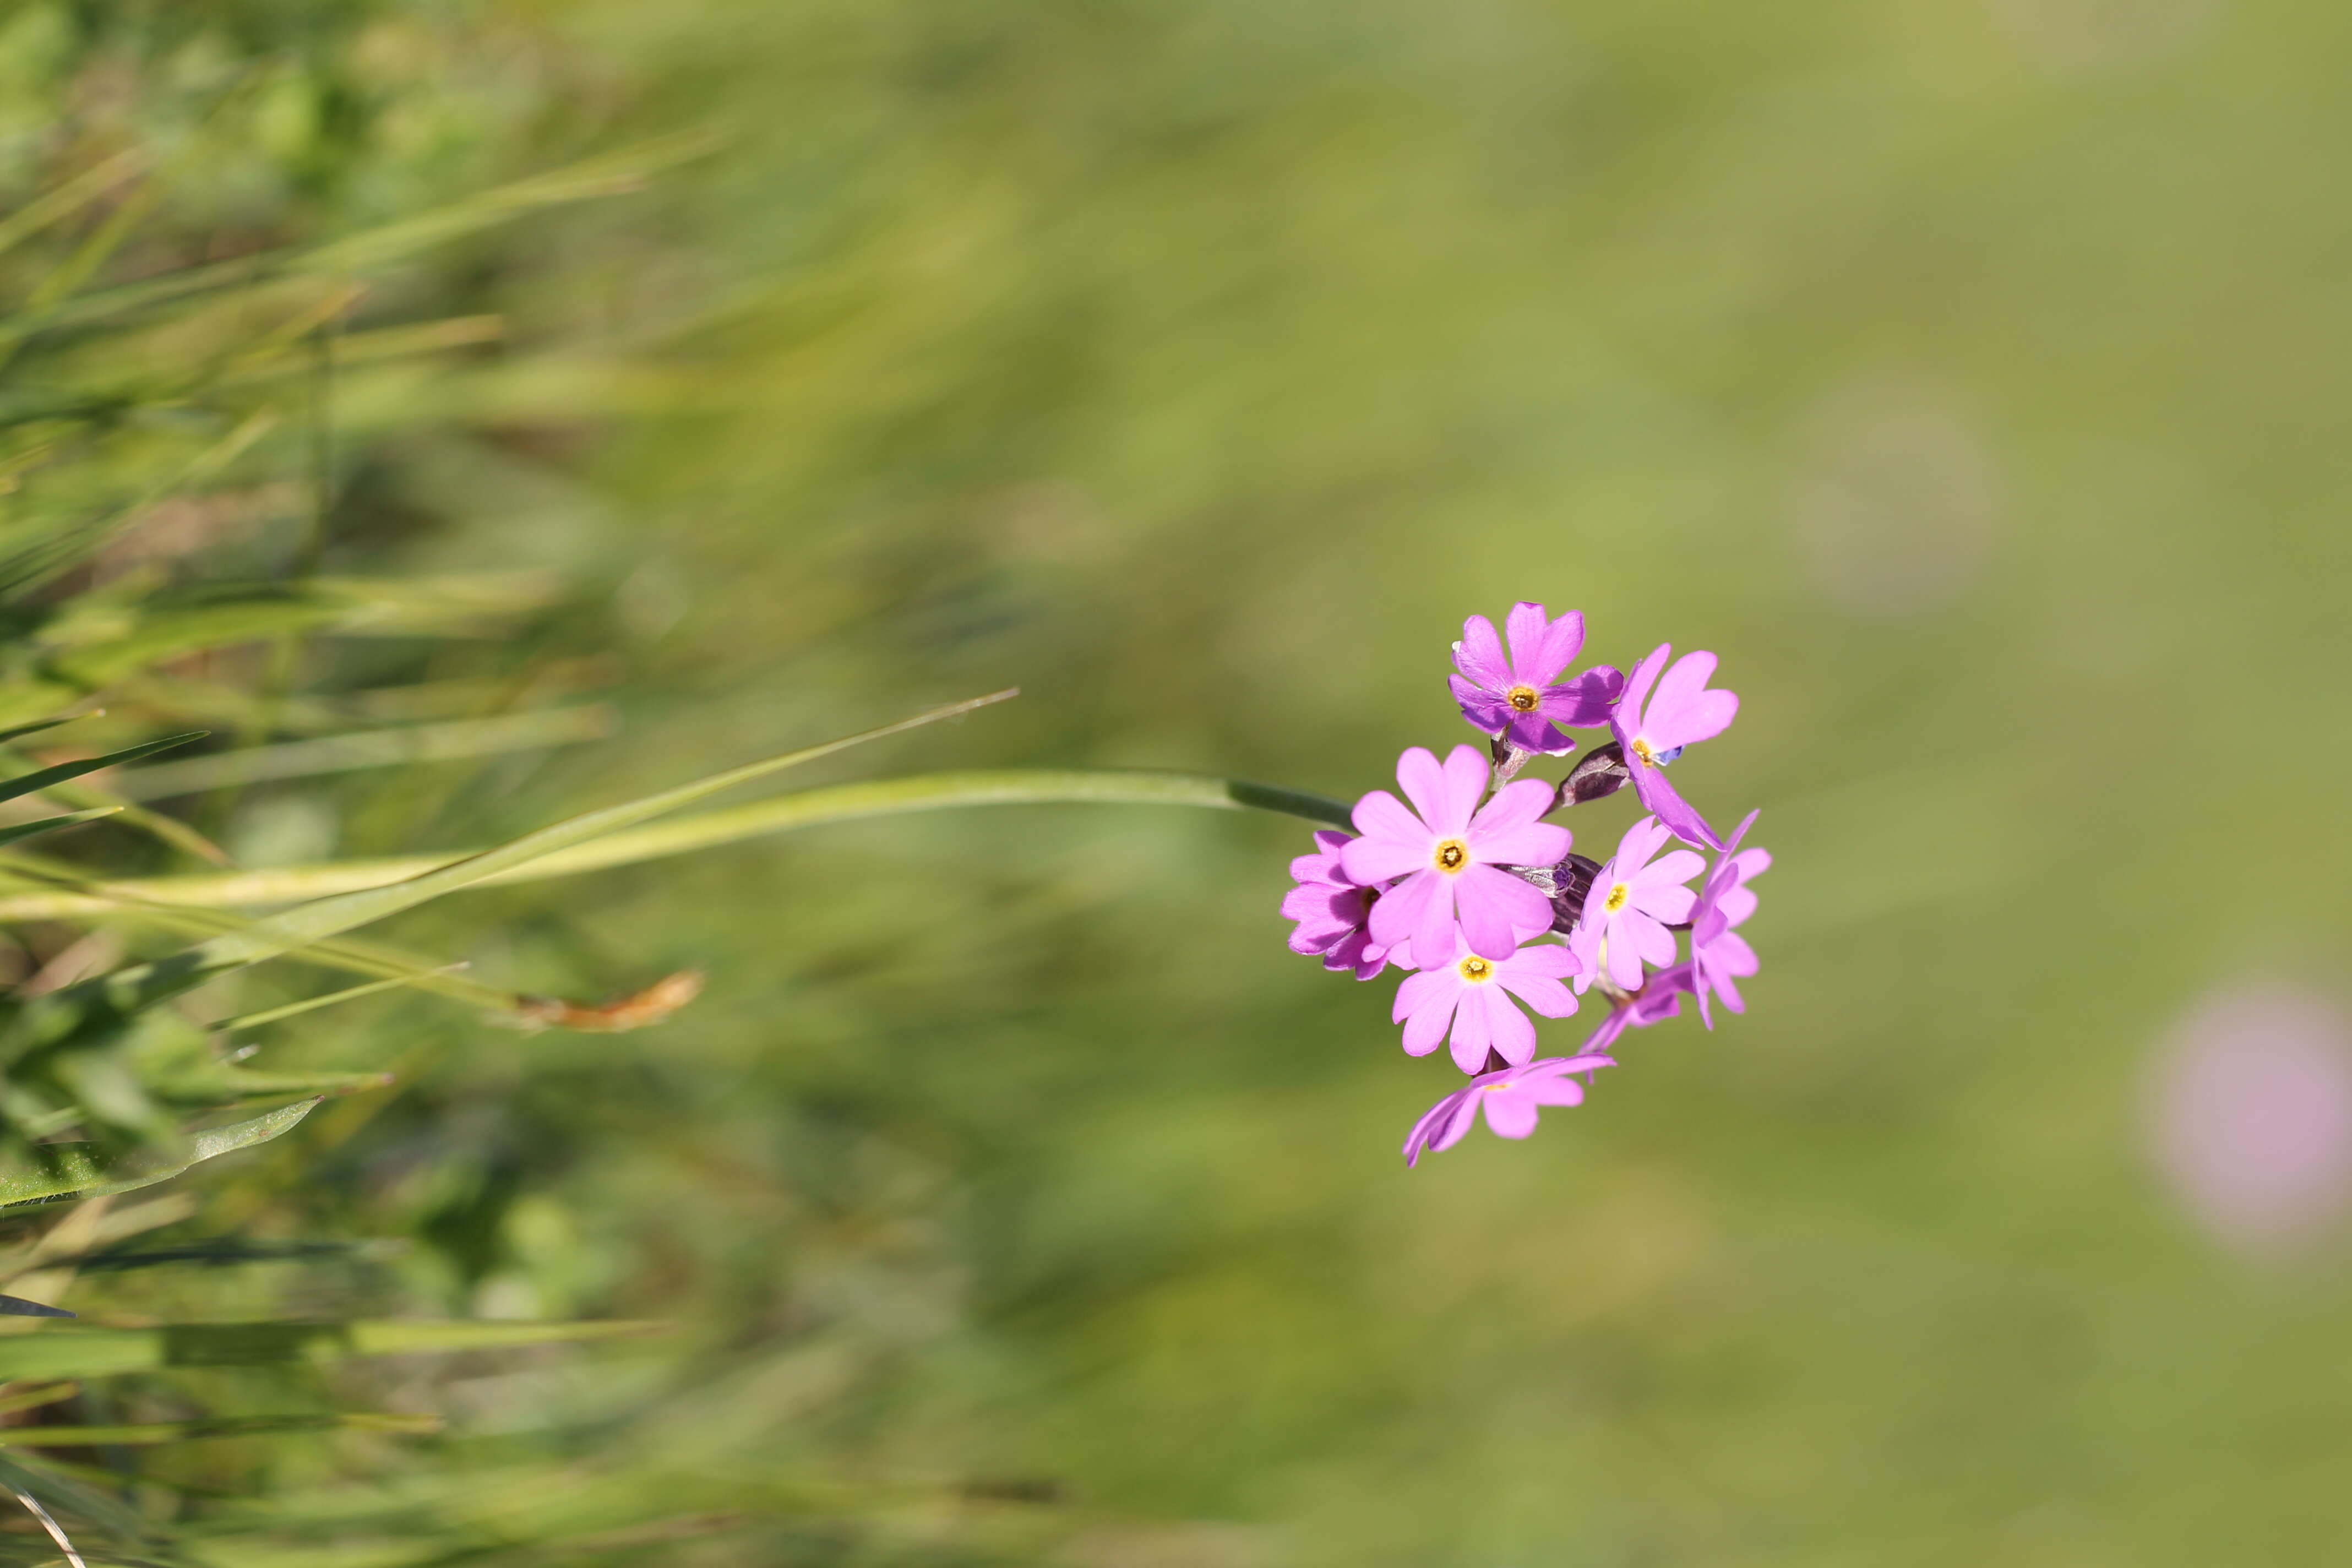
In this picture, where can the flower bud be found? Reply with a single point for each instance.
(1599, 772)
(1566, 885)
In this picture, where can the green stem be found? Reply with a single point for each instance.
(708, 829)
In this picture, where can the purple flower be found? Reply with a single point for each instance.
(1447, 858)
(1331, 911)
(1631, 904)
(1660, 997)
(1473, 995)
(1519, 698)
(1720, 956)
(1655, 728)
(1510, 1098)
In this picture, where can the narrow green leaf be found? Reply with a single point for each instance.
(50, 1171)
(152, 1431)
(15, 831)
(31, 784)
(82, 1350)
(38, 725)
(372, 748)
(306, 923)
(709, 829)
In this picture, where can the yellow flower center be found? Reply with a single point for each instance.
(1476, 970)
(1641, 750)
(1619, 893)
(1451, 854)
(1524, 698)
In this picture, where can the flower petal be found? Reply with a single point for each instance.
(1370, 861)
(1509, 1112)
(1424, 780)
(1401, 908)
(1481, 709)
(1507, 1028)
(1516, 804)
(1627, 719)
(1472, 1029)
(1684, 711)
(1465, 773)
(1431, 1010)
(1480, 655)
(1562, 640)
(1585, 701)
(1436, 932)
(1381, 817)
(1545, 994)
(1497, 909)
(1675, 813)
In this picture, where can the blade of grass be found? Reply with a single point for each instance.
(372, 748)
(80, 1350)
(215, 1427)
(30, 784)
(52, 1171)
(145, 985)
(727, 825)
(17, 830)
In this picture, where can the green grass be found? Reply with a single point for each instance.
(1965, 376)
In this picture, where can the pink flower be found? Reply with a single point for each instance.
(1660, 996)
(1473, 994)
(1631, 904)
(1331, 911)
(1720, 956)
(1446, 857)
(1510, 1098)
(1653, 730)
(1519, 698)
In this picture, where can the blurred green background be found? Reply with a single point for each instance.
(1970, 377)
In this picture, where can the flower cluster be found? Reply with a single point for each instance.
(1465, 885)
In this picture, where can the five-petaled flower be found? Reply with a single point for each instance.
(1473, 995)
(1631, 903)
(1654, 727)
(1331, 911)
(1720, 956)
(1444, 860)
(1510, 1098)
(1521, 698)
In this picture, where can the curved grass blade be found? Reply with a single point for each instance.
(305, 924)
(709, 829)
(372, 749)
(56, 1531)
(53, 1172)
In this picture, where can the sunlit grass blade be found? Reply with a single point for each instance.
(349, 954)
(312, 1003)
(98, 1507)
(49, 1171)
(711, 829)
(323, 918)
